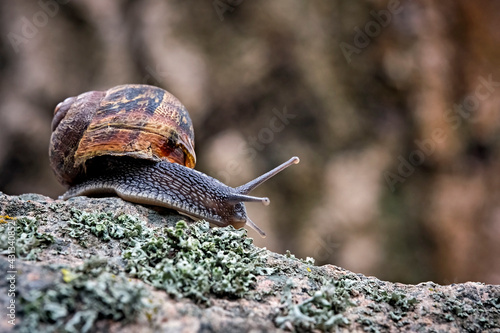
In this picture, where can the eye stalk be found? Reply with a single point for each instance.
(240, 195)
(248, 187)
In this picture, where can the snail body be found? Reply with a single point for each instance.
(137, 142)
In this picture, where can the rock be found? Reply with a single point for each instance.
(103, 264)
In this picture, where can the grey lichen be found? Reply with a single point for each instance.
(326, 309)
(28, 240)
(322, 311)
(186, 261)
(82, 296)
(469, 311)
(197, 260)
(105, 226)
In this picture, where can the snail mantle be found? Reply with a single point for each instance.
(104, 264)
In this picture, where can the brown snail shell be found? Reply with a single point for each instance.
(139, 121)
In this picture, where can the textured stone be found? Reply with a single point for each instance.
(286, 293)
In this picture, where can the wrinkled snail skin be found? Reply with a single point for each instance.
(168, 185)
(174, 186)
(137, 142)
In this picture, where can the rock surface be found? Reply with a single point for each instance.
(103, 264)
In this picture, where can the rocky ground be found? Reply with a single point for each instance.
(102, 264)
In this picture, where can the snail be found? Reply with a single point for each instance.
(137, 142)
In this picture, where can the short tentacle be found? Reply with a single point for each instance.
(255, 227)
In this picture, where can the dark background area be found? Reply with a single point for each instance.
(393, 108)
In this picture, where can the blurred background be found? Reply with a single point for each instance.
(392, 107)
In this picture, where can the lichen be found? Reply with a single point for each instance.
(322, 311)
(187, 261)
(83, 296)
(469, 311)
(326, 308)
(105, 226)
(26, 241)
(196, 261)
(308, 260)
(400, 303)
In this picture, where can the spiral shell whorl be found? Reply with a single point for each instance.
(139, 121)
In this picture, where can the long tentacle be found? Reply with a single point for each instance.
(248, 187)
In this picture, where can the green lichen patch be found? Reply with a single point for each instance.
(400, 303)
(322, 311)
(187, 261)
(336, 300)
(194, 261)
(105, 226)
(83, 296)
(20, 236)
(469, 311)
(308, 260)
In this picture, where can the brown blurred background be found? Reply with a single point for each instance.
(392, 106)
